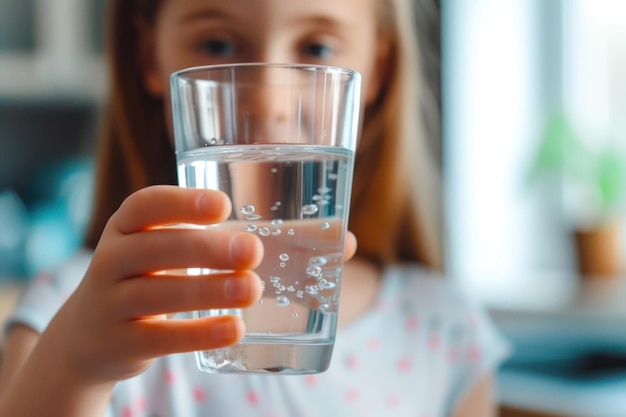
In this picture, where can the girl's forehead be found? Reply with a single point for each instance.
(270, 11)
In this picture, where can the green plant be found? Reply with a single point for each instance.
(594, 175)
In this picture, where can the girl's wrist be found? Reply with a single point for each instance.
(49, 385)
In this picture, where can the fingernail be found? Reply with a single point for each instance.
(209, 205)
(225, 331)
(238, 290)
(242, 249)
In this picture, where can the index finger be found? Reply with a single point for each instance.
(165, 205)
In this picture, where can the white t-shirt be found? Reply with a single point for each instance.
(415, 353)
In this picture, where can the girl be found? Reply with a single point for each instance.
(92, 338)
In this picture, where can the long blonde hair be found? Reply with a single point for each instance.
(396, 206)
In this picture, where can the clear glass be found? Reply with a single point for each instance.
(280, 141)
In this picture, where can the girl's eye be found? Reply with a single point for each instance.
(318, 50)
(218, 47)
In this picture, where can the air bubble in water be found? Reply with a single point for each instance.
(300, 294)
(314, 271)
(332, 176)
(291, 232)
(264, 231)
(318, 260)
(251, 228)
(274, 279)
(274, 170)
(284, 256)
(277, 232)
(282, 301)
(324, 307)
(282, 264)
(294, 315)
(327, 285)
(248, 209)
(323, 190)
(277, 222)
(309, 209)
(325, 226)
(312, 289)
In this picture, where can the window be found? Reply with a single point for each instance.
(51, 48)
(506, 67)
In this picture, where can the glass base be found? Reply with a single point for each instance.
(267, 358)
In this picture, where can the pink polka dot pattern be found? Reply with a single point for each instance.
(142, 404)
(474, 353)
(393, 401)
(352, 395)
(404, 364)
(252, 397)
(352, 361)
(199, 394)
(434, 342)
(311, 380)
(170, 377)
(138, 408)
(373, 344)
(412, 324)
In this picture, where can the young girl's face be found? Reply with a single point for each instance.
(190, 33)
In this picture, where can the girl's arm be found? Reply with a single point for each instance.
(115, 323)
(20, 342)
(480, 401)
(35, 382)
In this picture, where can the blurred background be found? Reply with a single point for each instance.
(528, 99)
(534, 157)
(51, 88)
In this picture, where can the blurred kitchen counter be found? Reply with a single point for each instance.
(569, 347)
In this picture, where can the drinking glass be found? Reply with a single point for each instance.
(279, 140)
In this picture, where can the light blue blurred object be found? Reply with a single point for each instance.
(58, 222)
(51, 238)
(14, 227)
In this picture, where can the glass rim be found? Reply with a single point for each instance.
(329, 69)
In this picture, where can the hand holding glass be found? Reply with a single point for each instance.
(280, 141)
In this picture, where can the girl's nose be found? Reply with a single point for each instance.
(271, 107)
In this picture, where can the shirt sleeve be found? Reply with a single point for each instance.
(481, 350)
(44, 296)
